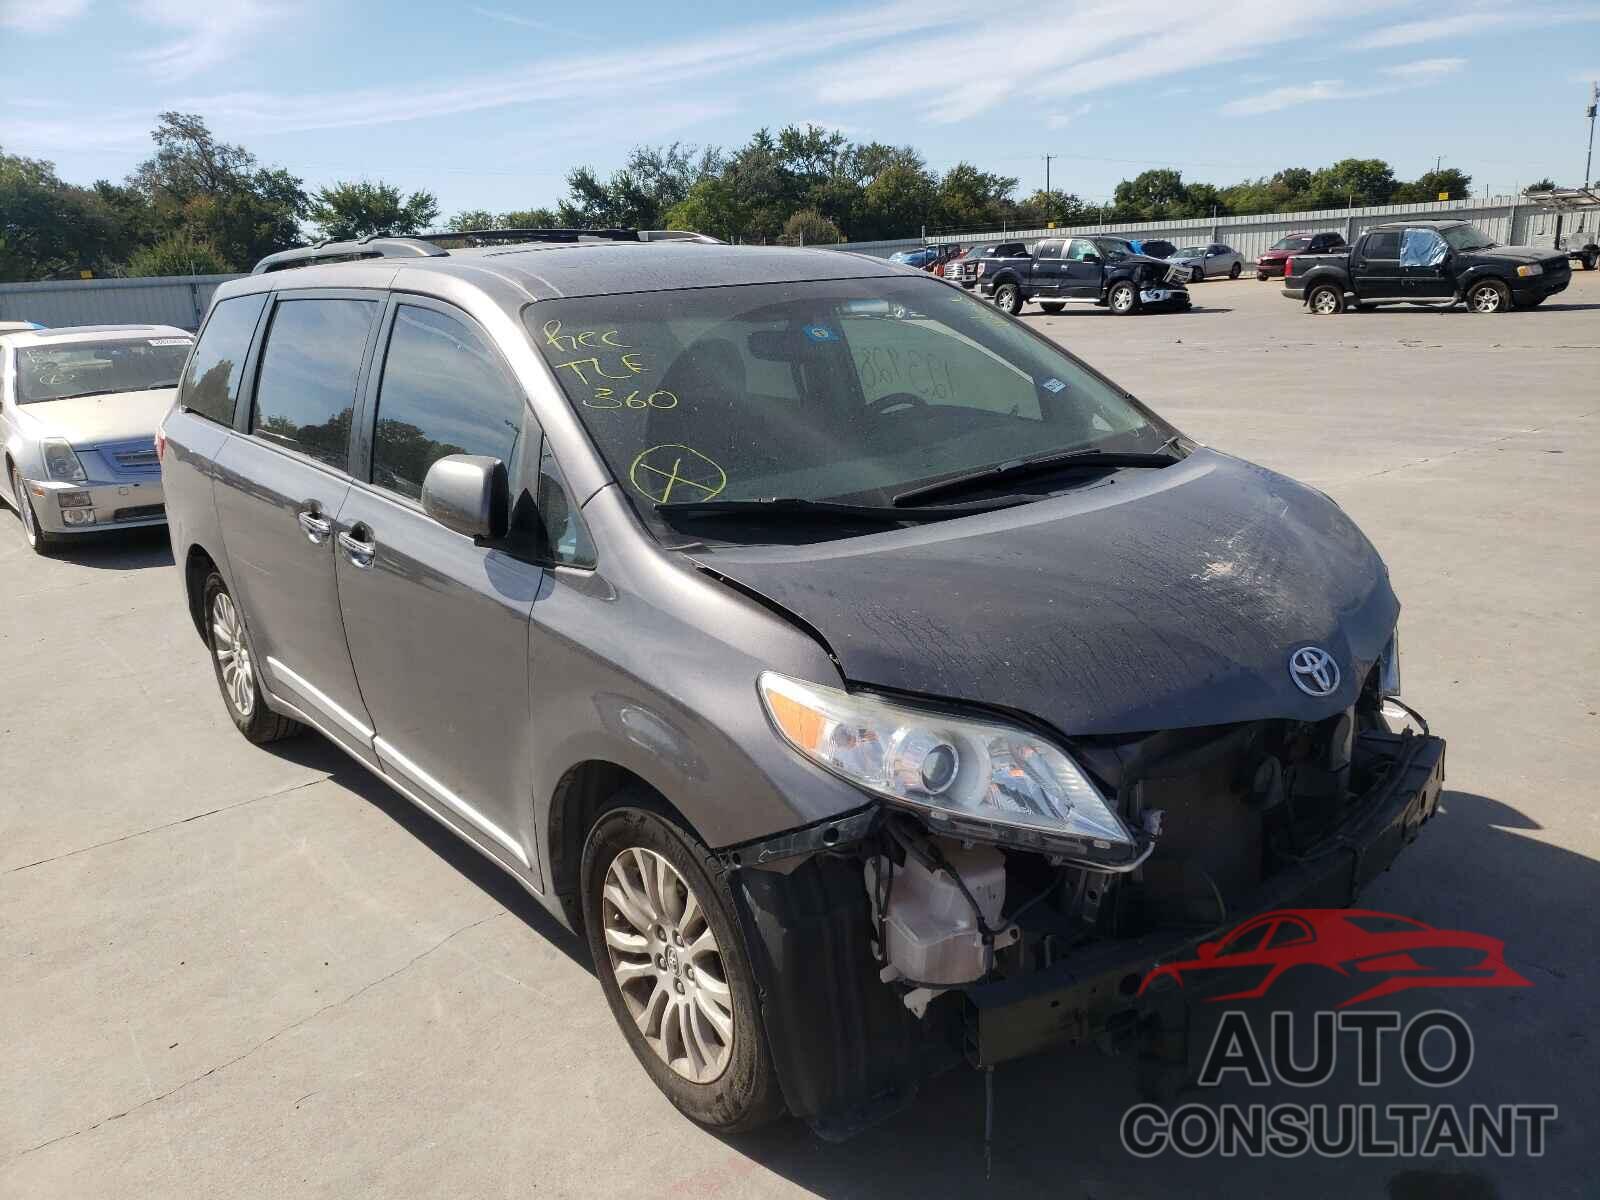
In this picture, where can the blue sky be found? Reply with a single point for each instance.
(488, 105)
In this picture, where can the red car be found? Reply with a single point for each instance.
(1271, 261)
(1399, 952)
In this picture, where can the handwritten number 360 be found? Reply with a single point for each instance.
(607, 398)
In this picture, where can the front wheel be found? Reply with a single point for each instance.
(1008, 298)
(672, 964)
(1590, 260)
(1488, 296)
(1122, 299)
(39, 541)
(1325, 300)
(1235, 271)
(1261, 276)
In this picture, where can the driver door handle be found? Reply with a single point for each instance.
(358, 545)
(317, 528)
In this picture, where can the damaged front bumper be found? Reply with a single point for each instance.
(849, 1052)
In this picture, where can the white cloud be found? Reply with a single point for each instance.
(1425, 69)
(1061, 120)
(40, 16)
(208, 32)
(1467, 24)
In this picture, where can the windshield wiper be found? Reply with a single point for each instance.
(96, 392)
(1069, 460)
(798, 506)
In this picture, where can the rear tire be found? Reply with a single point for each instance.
(1197, 274)
(1325, 300)
(1235, 271)
(719, 1073)
(1008, 298)
(1488, 296)
(1051, 306)
(39, 541)
(1590, 260)
(1122, 299)
(234, 662)
(1261, 276)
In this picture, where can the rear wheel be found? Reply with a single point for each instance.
(1590, 260)
(235, 664)
(39, 541)
(1122, 299)
(672, 963)
(1488, 296)
(1235, 271)
(1051, 306)
(1261, 276)
(1008, 298)
(1197, 274)
(1325, 300)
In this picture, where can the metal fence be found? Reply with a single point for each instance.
(1510, 220)
(179, 300)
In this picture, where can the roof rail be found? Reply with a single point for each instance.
(478, 237)
(427, 245)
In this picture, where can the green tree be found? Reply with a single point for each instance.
(352, 210)
(710, 207)
(970, 198)
(636, 196)
(473, 218)
(899, 202)
(177, 254)
(1351, 182)
(1544, 185)
(529, 218)
(1153, 195)
(1456, 185)
(810, 228)
(47, 227)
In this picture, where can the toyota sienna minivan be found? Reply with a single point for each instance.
(874, 685)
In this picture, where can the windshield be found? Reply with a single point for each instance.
(83, 368)
(1467, 237)
(1191, 252)
(1292, 243)
(1113, 249)
(846, 390)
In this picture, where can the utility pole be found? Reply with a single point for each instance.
(1049, 205)
(1594, 100)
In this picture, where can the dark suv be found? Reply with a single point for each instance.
(771, 616)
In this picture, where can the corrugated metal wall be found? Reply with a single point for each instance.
(179, 300)
(1506, 219)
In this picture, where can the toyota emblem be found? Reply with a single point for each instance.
(1314, 672)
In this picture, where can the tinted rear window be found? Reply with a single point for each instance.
(307, 384)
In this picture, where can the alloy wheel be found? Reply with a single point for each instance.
(30, 527)
(1325, 302)
(233, 654)
(1486, 299)
(667, 964)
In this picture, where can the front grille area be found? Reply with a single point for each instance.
(1557, 266)
(139, 512)
(137, 458)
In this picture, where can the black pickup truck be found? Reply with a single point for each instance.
(1083, 270)
(1428, 263)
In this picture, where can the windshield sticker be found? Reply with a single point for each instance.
(589, 339)
(821, 333)
(604, 397)
(169, 341)
(668, 469)
(1052, 385)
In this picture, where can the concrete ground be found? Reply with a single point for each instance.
(229, 971)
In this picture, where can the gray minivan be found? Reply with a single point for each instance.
(875, 685)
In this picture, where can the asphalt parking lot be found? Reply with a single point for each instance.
(232, 971)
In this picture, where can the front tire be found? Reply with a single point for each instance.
(39, 540)
(1488, 296)
(1261, 276)
(1590, 260)
(1008, 298)
(1325, 300)
(236, 668)
(1122, 299)
(672, 963)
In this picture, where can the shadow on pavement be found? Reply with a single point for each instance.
(124, 550)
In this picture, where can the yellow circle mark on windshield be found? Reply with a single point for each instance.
(668, 470)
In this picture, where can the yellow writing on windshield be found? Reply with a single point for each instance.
(631, 363)
(588, 339)
(671, 468)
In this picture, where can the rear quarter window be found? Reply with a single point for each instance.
(210, 385)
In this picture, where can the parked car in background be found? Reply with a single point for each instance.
(1154, 247)
(18, 326)
(756, 610)
(924, 256)
(1431, 263)
(1083, 270)
(1271, 261)
(79, 407)
(1207, 260)
(972, 262)
(946, 255)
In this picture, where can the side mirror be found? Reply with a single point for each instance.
(1206, 951)
(470, 494)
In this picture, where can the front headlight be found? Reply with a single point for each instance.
(60, 463)
(949, 769)
(1530, 269)
(1389, 667)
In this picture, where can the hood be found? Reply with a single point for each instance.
(1280, 255)
(88, 421)
(1525, 254)
(1154, 599)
